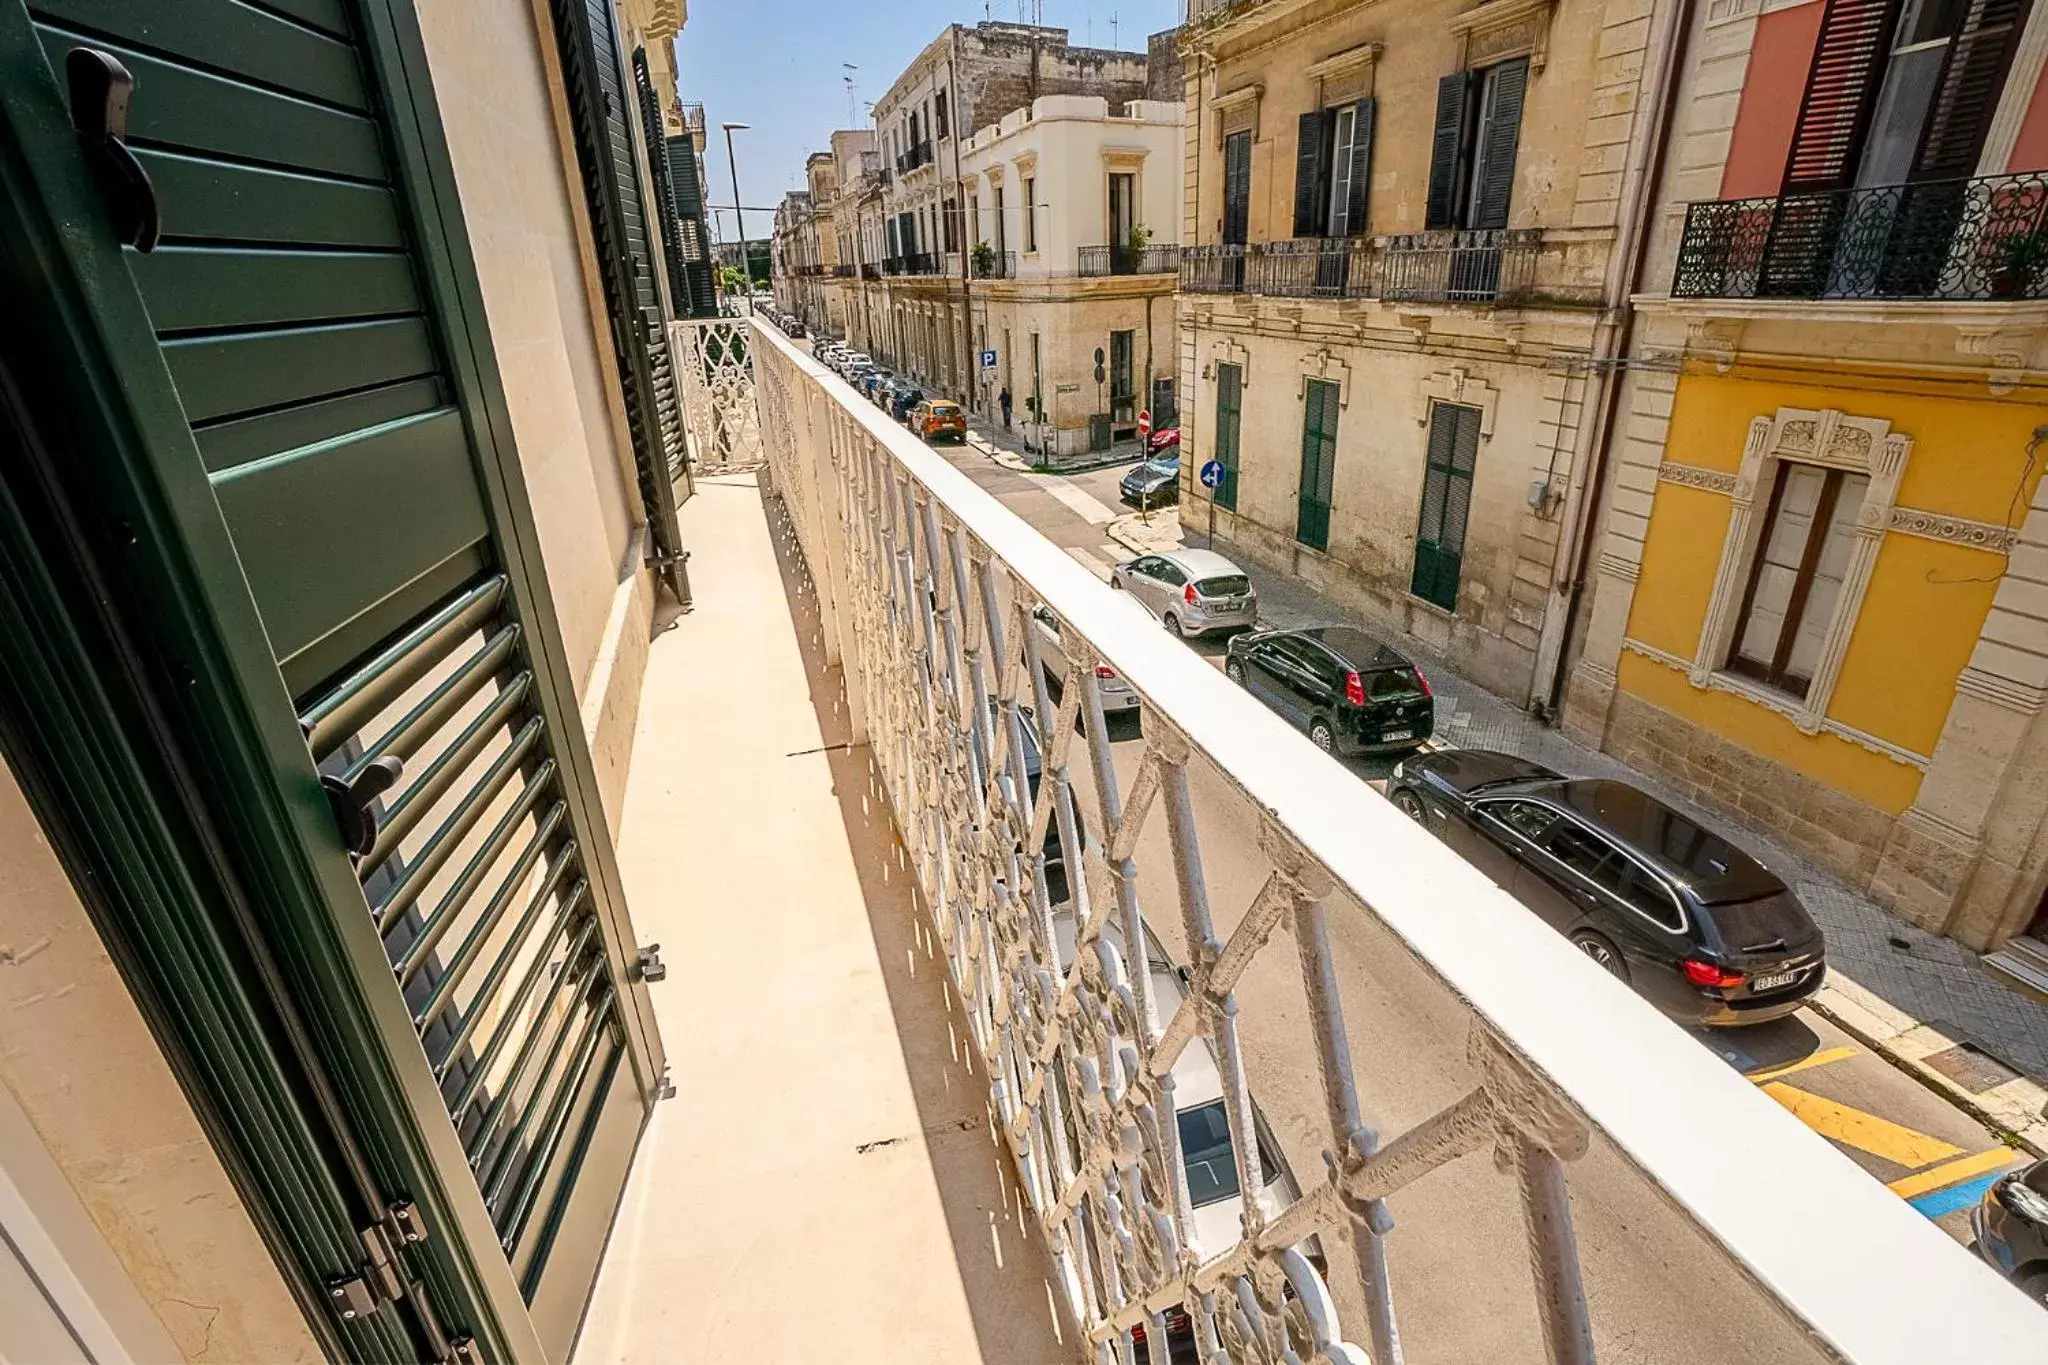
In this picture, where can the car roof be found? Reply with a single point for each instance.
(944, 403)
(1699, 860)
(1355, 647)
(1200, 563)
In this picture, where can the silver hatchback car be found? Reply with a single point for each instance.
(1117, 695)
(1192, 592)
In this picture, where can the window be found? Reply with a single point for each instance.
(1030, 213)
(1037, 382)
(1472, 152)
(1802, 556)
(1122, 208)
(939, 115)
(1002, 229)
(1122, 396)
(1318, 464)
(1211, 1159)
(949, 213)
(1647, 894)
(1446, 503)
(973, 218)
(1168, 572)
(1526, 818)
(1585, 853)
(1333, 164)
(1229, 409)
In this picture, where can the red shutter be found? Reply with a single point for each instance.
(1840, 91)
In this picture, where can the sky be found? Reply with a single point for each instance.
(775, 65)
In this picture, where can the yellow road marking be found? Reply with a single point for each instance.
(1865, 1132)
(1953, 1172)
(1821, 1058)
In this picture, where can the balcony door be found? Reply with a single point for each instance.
(344, 824)
(1123, 210)
(1237, 204)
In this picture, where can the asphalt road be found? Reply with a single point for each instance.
(1658, 1292)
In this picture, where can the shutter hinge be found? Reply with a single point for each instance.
(379, 1279)
(658, 560)
(464, 1351)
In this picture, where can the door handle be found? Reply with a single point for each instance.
(99, 89)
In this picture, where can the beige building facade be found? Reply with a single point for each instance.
(1398, 242)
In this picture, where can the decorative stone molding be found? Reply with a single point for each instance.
(1325, 365)
(1124, 158)
(1728, 11)
(2014, 696)
(1826, 437)
(1718, 339)
(2003, 349)
(1230, 351)
(1618, 566)
(1238, 110)
(1458, 385)
(1345, 63)
(1501, 29)
(1692, 476)
(1977, 535)
(1781, 704)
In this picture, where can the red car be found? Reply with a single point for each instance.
(1166, 439)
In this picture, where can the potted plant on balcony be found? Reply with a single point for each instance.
(1127, 257)
(984, 259)
(2020, 264)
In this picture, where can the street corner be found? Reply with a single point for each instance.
(1144, 533)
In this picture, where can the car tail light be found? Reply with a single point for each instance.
(1354, 689)
(1190, 594)
(1423, 678)
(1703, 973)
(1104, 671)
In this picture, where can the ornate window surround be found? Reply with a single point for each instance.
(1500, 29)
(1229, 351)
(1458, 385)
(1829, 439)
(1237, 109)
(1325, 365)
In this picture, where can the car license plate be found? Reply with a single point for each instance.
(1773, 981)
(1392, 735)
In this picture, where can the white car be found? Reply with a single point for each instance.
(1116, 693)
(1192, 592)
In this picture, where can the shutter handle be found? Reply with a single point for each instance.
(99, 87)
(350, 800)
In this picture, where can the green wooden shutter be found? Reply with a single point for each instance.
(693, 234)
(1362, 114)
(1507, 84)
(1237, 188)
(1446, 503)
(1318, 464)
(1311, 172)
(1448, 152)
(662, 184)
(1229, 411)
(338, 501)
(601, 112)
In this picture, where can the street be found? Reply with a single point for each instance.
(1888, 1123)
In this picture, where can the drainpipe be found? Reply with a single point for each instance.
(1670, 37)
(969, 372)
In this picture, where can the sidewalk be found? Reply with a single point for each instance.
(1920, 1001)
(1006, 448)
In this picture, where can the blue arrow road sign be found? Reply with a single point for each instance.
(1212, 473)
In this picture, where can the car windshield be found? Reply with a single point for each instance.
(1394, 684)
(945, 410)
(1224, 585)
(1164, 464)
(1210, 1159)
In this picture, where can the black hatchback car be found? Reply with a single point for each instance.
(1353, 694)
(1699, 928)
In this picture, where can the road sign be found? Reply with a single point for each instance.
(1144, 423)
(988, 360)
(1212, 473)
(1098, 372)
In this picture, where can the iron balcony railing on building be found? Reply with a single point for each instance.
(993, 265)
(1162, 259)
(1062, 873)
(1985, 238)
(910, 158)
(892, 265)
(1313, 268)
(693, 117)
(916, 263)
(843, 271)
(870, 271)
(1212, 269)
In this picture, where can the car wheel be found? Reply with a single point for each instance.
(1173, 624)
(1604, 953)
(1322, 736)
(1410, 805)
(2034, 1284)
(1234, 671)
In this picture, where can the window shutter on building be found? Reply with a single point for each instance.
(1841, 91)
(1361, 164)
(1503, 135)
(1311, 173)
(1237, 187)
(1447, 150)
(1972, 78)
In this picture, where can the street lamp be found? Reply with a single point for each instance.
(738, 214)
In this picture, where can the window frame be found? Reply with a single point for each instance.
(1777, 673)
(1030, 214)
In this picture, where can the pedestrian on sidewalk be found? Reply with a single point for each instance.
(1003, 400)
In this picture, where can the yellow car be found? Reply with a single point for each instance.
(939, 419)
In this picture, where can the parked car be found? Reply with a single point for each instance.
(1351, 692)
(903, 399)
(851, 360)
(1192, 592)
(2011, 1227)
(1167, 438)
(939, 419)
(1155, 483)
(873, 381)
(1698, 927)
(1117, 694)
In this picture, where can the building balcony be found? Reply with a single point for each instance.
(1163, 259)
(869, 270)
(988, 1007)
(1949, 241)
(916, 263)
(843, 271)
(993, 265)
(1496, 267)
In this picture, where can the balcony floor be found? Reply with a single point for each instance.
(825, 1184)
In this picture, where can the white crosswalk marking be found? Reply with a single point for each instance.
(1082, 503)
(1091, 561)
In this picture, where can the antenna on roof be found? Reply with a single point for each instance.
(1112, 28)
(852, 92)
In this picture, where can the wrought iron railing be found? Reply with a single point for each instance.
(843, 270)
(915, 263)
(1985, 238)
(1160, 259)
(720, 418)
(994, 265)
(1465, 266)
(1212, 269)
(1312, 267)
(1058, 907)
(869, 270)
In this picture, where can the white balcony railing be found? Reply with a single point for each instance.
(1717, 1228)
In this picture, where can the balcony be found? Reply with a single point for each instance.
(843, 271)
(993, 265)
(993, 1003)
(870, 271)
(910, 158)
(1475, 266)
(1950, 240)
(1130, 260)
(917, 263)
